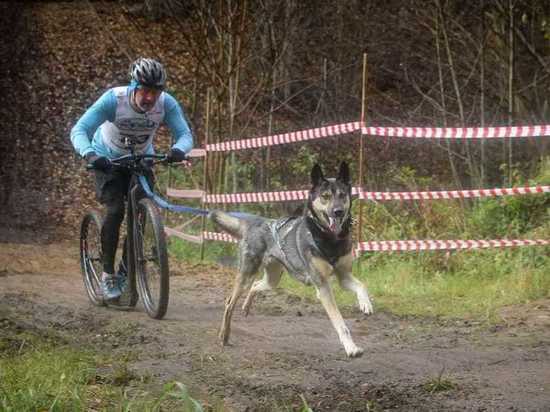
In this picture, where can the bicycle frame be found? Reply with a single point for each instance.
(145, 250)
(132, 163)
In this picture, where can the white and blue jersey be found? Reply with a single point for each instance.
(111, 121)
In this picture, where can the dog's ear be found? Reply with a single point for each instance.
(316, 175)
(344, 173)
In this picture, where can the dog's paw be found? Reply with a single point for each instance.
(365, 305)
(354, 352)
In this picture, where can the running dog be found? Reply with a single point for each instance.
(310, 247)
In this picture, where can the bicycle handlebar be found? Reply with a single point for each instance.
(138, 157)
(127, 159)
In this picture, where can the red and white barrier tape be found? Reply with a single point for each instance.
(185, 193)
(290, 195)
(291, 137)
(224, 237)
(459, 132)
(411, 245)
(453, 194)
(177, 233)
(197, 153)
(408, 245)
(257, 197)
(411, 132)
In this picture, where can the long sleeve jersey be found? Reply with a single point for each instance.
(106, 125)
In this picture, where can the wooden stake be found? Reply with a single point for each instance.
(205, 169)
(168, 183)
(361, 150)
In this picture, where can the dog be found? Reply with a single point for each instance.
(311, 247)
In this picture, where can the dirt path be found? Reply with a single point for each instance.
(287, 348)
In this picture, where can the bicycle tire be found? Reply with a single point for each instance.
(90, 256)
(151, 258)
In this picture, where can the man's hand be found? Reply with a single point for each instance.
(98, 162)
(175, 156)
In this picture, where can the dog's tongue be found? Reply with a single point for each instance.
(332, 224)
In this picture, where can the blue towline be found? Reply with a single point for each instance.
(179, 208)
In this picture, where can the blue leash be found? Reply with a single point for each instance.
(165, 205)
(178, 208)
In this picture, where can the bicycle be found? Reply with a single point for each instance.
(146, 252)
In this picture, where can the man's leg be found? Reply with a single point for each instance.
(110, 231)
(122, 267)
(111, 190)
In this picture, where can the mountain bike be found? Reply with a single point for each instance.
(145, 244)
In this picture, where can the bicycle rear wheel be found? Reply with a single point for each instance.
(90, 256)
(151, 259)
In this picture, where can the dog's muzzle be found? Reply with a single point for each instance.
(336, 221)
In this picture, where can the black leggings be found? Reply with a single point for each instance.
(111, 190)
(110, 233)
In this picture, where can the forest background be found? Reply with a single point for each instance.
(278, 66)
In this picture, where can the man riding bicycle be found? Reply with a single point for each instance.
(128, 113)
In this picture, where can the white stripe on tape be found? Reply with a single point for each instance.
(453, 194)
(290, 137)
(458, 132)
(408, 245)
(290, 195)
(411, 245)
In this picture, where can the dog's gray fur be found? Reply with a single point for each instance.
(311, 248)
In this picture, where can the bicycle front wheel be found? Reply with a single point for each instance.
(151, 259)
(90, 256)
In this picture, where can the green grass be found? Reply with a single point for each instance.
(475, 284)
(38, 374)
(190, 252)
(44, 378)
(473, 292)
(439, 384)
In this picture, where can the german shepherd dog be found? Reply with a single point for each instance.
(310, 247)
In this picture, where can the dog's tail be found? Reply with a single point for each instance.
(231, 224)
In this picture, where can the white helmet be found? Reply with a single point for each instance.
(148, 72)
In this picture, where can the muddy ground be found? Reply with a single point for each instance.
(286, 347)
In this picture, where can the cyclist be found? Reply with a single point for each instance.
(128, 113)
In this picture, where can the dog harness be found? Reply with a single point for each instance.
(287, 238)
(291, 234)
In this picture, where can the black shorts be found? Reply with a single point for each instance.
(113, 184)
